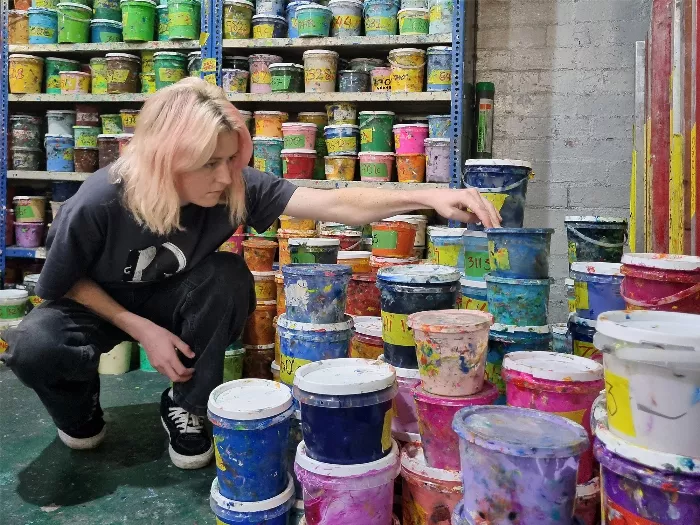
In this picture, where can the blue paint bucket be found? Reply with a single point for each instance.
(445, 246)
(316, 293)
(439, 126)
(251, 420)
(273, 511)
(581, 332)
(267, 155)
(503, 183)
(346, 409)
(292, 30)
(63, 190)
(59, 152)
(596, 288)
(439, 68)
(405, 290)
(105, 31)
(519, 302)
(269, 26)
(593, 238)
(505, 339)
(304, 343)
(561, 342)
(269, 7)
(476, 255)
(381, 17)
(43, 25)
(473, 295)
(295, 437)
(342, 139)
(521, 253)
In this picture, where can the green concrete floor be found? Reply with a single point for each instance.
(128, 480)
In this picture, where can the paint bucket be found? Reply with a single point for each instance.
(661, 282)
(441, 16)
(123, 140)
(291, 13)
(407, 71)
(561, 343)
(98, 69)
(503, 183)
(349, 239)
(298, 163)
(381, 17)
(74, 82)
(410, 168)
(332, 492)
(406, 290)
(366, 342)
(652, 373)
(587, 507)
(18, 28)
(376, 131)
(269, 26)
(251, 419)
(320, 118)
(473, 295)
(259, 254)
(363, 295)
(287, 78)
(570, 294)
(304, 343)
(287, 222)
(320, 68)
(85, 159)
(346, 410)
(351, 81)
(269, 123)
(410, 138)
(445, 246)
(29, 208)
(265, 289)
(519, 253)
(53, 69)
(138, 19)
(413, 21)
(595, 239)
(234, 244)
(519, 302)
(269, 7)
(419, 221)
(341, 113)
(267, 155)
(117, 361)
(234, 80)
(26, 73)
(13, 304)
(129, 118)
(122, 73)
(194, 64)
(439, 68)
(170, 67)
(393, 239)
(299, 135)
(342, 139)
(560, 384)
(26, 131)
(429, 495)
(597, 288)
(29, 284)
(26, 159)
(183, 19)
(162, 13)
(238, 15)
(314, 251)
(510, 455)
(87, 115)
(380, 78)
(102, 31)
(107, 10)
(313, 20)
(73, 23)
(283, 237)
(85, 136)
(582, 332)
(257, 361)
(439, 126)
(29, 234)
(340, 167)
(347, 17)
(316, 293)
(43, 26)
(437, 160)
(435, 415)
(272, 511)
(259, 328)
(64, 190)
(376, 167)
(59, 152)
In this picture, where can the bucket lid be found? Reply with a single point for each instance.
(377, 153)
(450, 321)
(304, 7)
(313, 114)
(400, 126)
(78, 73)
(233, 351)
(406, 51)
(13, 294)
(518, 231)
(368, 325)
(31, 278)
(520, 431)
(663, 261)
(340, 156)
(370, 113)
(346, 471)
(248, 399)
(351, 254)
(59, 111)
(299, 151)
(312, 52)
(252, 506)
(490, 278)
(661, 329)
(194, 54)
(444, 231)
(314, 241)
(488, 394)
(123, 55)
(329, 270)
(568, 281)
(413, 460)
(25, 197)
(274, 366)
(344, 377)
(468, 283)
(419, 274)
(239, 2)
(269, 114)
(259, 347)
(469, 233)
(263, 276)
(173, 54)
(439, 50)
(582, 321)
(497, 162)
(105, 21)
(80, 6)
(18, 116)
(413, 219)
(268, 139)
(553, 366)
(107, 135)
(436, 142)
(284, 322)
(597, 268)
(594, 218)
(280, 65)
(29, 57)
(358, 3)
(307, 125)
(342, 126)
(268, 17)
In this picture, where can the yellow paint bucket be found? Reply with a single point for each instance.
(26, 73)
(269, 123)
(74, 82)
(340, 167)
(18, 25)
(407, 69)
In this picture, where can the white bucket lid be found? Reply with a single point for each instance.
(269, 113)
(472, 284)
(554, 366)
(346, 471)
(314, 241)
(661, 329)
(510, 328)
(597, 268)
(497, 162)
(568, 281)
(287, 125)
(406, 437)
(401, 126)
(265, 139)
(13, 294)
(368, 325)
(263, 276)
(663, 261)
(470, 233)
(588, 489)
(249, 399)
(379, 153)
(28, 197)
(444, 231)
(413, 460)
(594, 218)
(351, 254)
(284, 322)
(344, 377)
(252, 506)
(124, 55)
(419, 274)
(413, 219)
(298, 151)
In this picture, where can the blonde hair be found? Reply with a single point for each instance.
(176, 132)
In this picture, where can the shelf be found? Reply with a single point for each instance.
(82, 98)
(339, 42)
(25, 253)
(47, 175)
(108, 47)
(425, 96)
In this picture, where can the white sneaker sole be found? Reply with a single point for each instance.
(83, 443)
(188, 462)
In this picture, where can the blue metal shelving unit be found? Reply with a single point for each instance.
(4, 109)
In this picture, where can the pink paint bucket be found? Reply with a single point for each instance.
(435, 415)
(559, 384)
(451, 346)
(405, 421)
(410, 138)
(335, 494)
(234, 244)
(429, 495)
(299, 135)
(29, 234)
(376, 167)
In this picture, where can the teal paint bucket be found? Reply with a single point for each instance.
(439, 68)
(102, 31)
(595, 239)
(381, 17)
(519, 302)
(169, 67)
(476, 255)
(86, 136)
(313, 20)
(107, 10)
(145, 364)
(73, 23)
(162, 11)
(439, 126)
(267, 154)
(43, 25)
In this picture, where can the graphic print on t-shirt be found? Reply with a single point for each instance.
(154, 263)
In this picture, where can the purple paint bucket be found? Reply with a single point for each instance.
(437, 160)
(29, 234)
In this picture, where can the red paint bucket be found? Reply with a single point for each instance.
(298, 163)
(659, 281)
(363, 295)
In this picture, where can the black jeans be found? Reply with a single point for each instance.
(56, 349)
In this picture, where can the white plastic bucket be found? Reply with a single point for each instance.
(117, 361)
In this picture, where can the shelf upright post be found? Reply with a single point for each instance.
(211, 40)
(4, 130)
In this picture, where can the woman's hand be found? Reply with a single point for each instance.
(463, 206)
(161, 347)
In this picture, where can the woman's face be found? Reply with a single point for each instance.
(205, 186)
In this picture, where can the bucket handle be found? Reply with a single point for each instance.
(664, 301)
(593, 241)
(502, 189)
(391, 62)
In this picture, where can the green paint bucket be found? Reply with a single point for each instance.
(144, 363)
(53, 67)
(87, 3)
(162, 23)
(233, 362)
(170, 67)
(85, 136)
(107, 10)
(73, 23)
(376, 133)
(98, 68)
(138, 19)
(183, 19)
(111, 123)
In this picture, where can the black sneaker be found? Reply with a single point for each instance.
(190, 444)
(87, 435)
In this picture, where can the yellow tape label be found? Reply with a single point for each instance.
(499, 258)
(170, 74)
(179, 19)
(117, 75)
(445, 255)
(341, 144)
(581, 295)
(469, 303)
(263, 31)
(346, 22)
(366, 135)
(440, 77)
(209, 65)
(395, 330)
(289, 367)
(380, 23)
(497, 199)
(584, 349)
(261, 77)
(259, 163)
(386, 430)
(576, 415)
(619, 403)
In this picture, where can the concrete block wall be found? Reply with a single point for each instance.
(564, 76)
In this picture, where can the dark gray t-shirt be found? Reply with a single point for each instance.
(95, 236)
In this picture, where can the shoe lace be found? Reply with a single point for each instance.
(186, 422)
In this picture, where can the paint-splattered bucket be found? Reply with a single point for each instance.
(406, 290)
(269, 26)
(437, 160)
(107, 10)
(170, 67)
(234, 80)
(332, 492)
(381, 17)
(273, 511)
(29, 234)
(560, 384)
(29, 208)
(304, 343)
(74, 82)
(352, 81)
(520, 253)
(366, 341)
(138, 19)
(410, 138)
(26, 159)
(43, 26)
(661, 282)
(342, 139)
(85, 160)
(60, 121)
(53, 69)
(108, 147)
(269, 7)
(314, 251)
(595, 239)
(283, 237)
(393, 239)
(441, 16)
(363, 295)
(129, 117)
(251, 419)
(288, 222)
(320, 69)
(413, 21)
(346, 410)
(435, 416)
(410, 168)
(287, 78)
(357, 260)
(98, 69)
(381, 79)
(59, 152)
(25, 73)
(419, 221)
(582, 331)
(407, 70)
(316, 293)
(18, 27)
(404, 425)
(587, 508)
(13, 304)
(596, 288)
(376, 131)
(105, 31)
(439, 68)
(376, 167)
(258, 360)
(298, 163)
(299, 135)
(445, 246)
(341, 113)
(73, 23)
(259, 254)
(451, 346)
(561, 343)
(347, 17)
(439, 126)
(519, 302)
(122, 73)
(269, 123)
(570, 295)
(340, 167)
(291, 12)
(26, 131)
(265, 289)
(510, 455)
(473, 295)
(183, 19)
(194, 64)
(259, 329)
(238, 15)
(162, 14)
(85, 136)
(313, 20)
